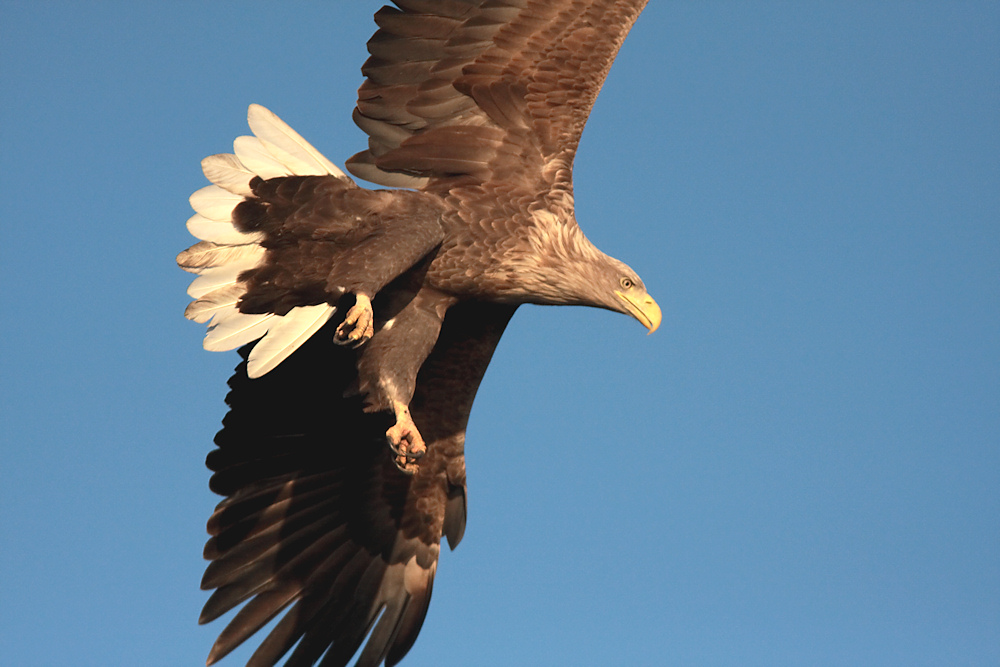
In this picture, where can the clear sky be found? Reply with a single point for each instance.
(801, 467)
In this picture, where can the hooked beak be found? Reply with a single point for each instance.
(643, 308)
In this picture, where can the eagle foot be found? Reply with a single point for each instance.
(358, 325)
(405, 441)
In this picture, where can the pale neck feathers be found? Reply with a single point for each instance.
(556, 264)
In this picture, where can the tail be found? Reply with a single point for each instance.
(225, 252)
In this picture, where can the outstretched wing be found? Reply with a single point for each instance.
(480, 90)
(316, 515)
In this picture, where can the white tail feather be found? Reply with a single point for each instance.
(219, 231)
(286, 336)
(226, 171)
(206, 255)
(215, 203)
(287, 145)
(215, 303)
(256, 158)
(225, 252)
(215, 278)
(235, 329)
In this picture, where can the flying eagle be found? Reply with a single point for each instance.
(367, 318)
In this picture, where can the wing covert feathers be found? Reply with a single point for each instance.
(225, 252)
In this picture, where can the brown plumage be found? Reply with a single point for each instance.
(368, 316)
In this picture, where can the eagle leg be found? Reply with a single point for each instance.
(358, 326)
(405, 440)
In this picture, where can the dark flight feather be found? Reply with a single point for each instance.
(317, 514)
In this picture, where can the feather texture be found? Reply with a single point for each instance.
(218, 231)
(231, 330)
(287, 146)
(225, 254)
(318, 525)
(529, 69)
(215, 203)
(251, 152)
(214, 303)
(207, 255)
(215, 278)
(286, 336)
(226, 171)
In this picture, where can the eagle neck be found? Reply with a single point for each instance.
(556, 264)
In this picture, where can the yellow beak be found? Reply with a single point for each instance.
(643, 308)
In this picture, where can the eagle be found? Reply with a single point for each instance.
(366, 318)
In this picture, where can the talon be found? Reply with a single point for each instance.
(358, 325)
(405, 441)
(404, 467)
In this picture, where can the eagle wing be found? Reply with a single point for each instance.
(316, 514)
(479, 90)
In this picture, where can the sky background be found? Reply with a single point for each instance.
(801, 467)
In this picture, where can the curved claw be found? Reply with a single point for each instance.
(405, 441)
(359, 324)
(404, 467)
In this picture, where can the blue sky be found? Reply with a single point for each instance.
(801, 467)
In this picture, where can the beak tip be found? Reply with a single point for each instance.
(646, 311)
(654, 314)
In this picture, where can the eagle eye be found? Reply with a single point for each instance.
(625, 283)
